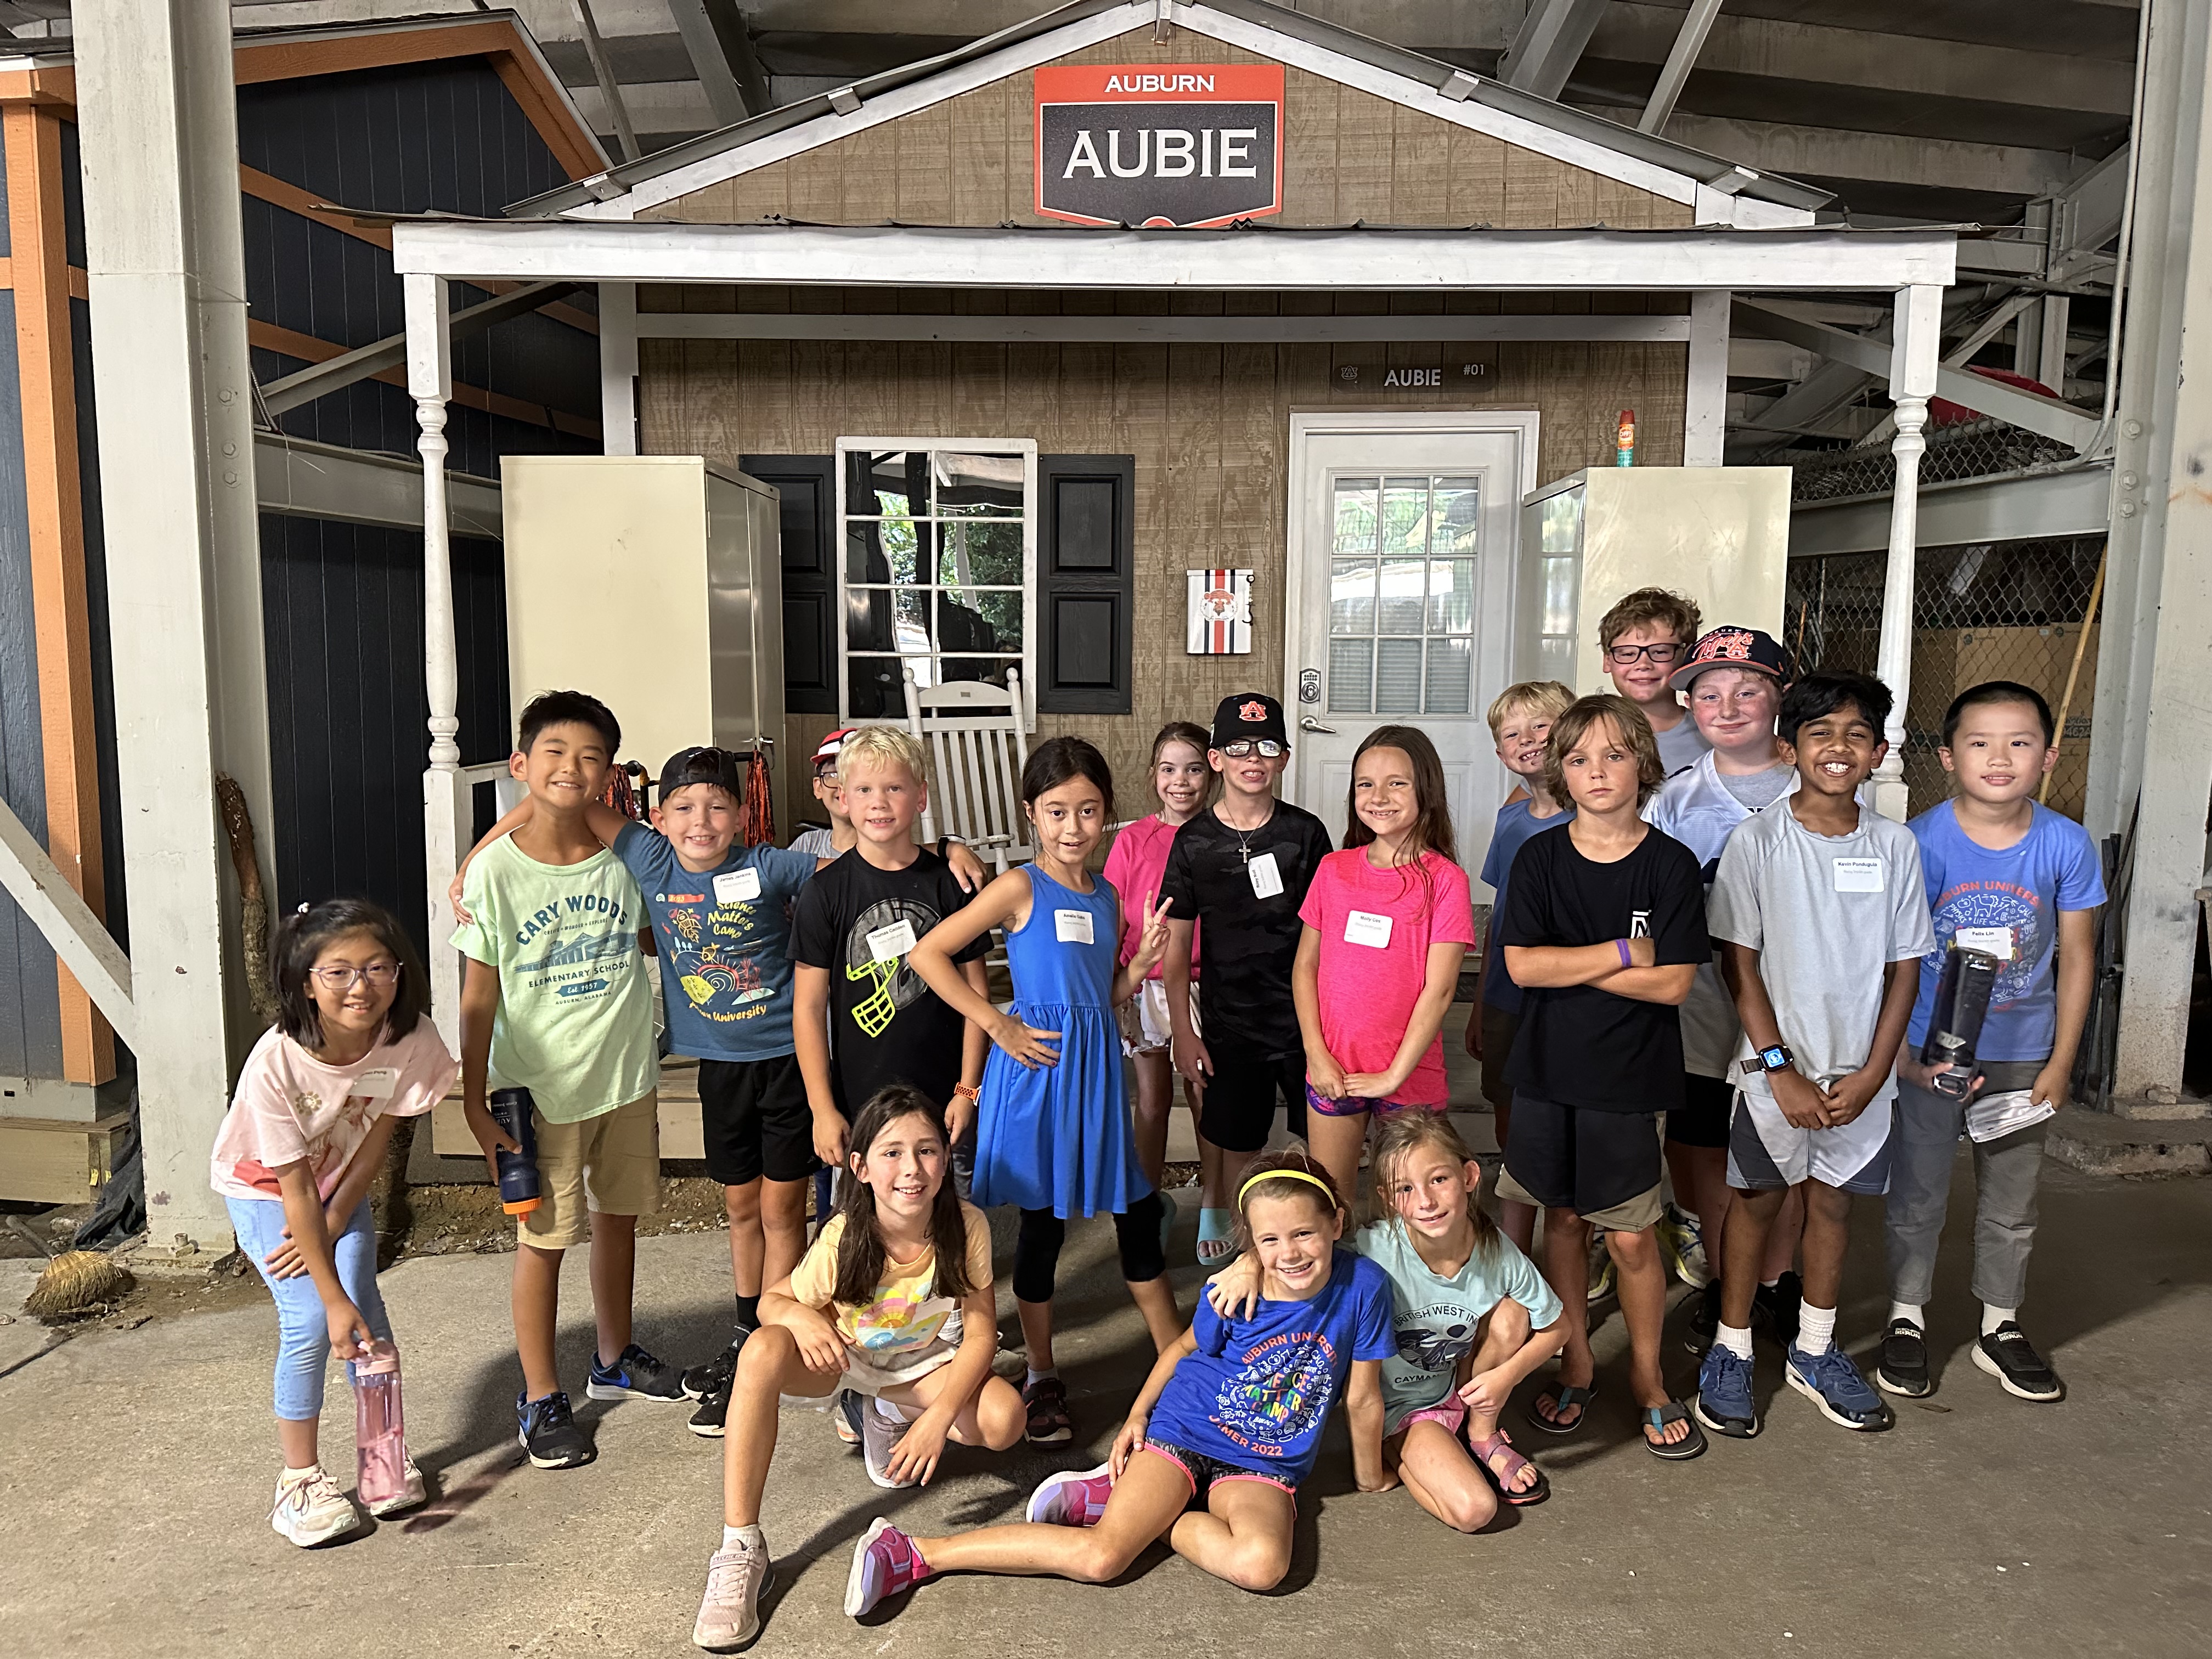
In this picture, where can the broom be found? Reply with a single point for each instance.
(75, 1282)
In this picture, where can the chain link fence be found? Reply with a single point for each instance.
(1979, 448)
(1985, 610)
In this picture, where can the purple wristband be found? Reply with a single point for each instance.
(1626, 961)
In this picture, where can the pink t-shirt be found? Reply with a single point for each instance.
(1375, 928)
(1136, 864)
(290, 1106)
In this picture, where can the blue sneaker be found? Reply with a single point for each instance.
(1832, 1382)
(549, 1432)
(1724, 1403)
(635, 1375)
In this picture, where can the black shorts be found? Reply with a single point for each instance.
(754, 1117)
(1238, 1110)
(1702, 1118)
(1604, 1166)
(1499, 1027)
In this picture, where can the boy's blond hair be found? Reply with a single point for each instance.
(1543, 696)
(1649, 604)
(882, 746)
(1628, 721)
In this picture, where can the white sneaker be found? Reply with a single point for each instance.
(729, 1613)
(879, 1437)
(310, 1509)
(412, 1495)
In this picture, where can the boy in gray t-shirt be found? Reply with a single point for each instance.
(1821, 917)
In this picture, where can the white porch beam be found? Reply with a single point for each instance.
(302, 479)
(158, 114)
(1681, 58)
(1917, 336)
(1129, 330)
(618, 336)
(79, 938)
(2043, 504)
(886, 256)
(1704, 405)
(1549, 44)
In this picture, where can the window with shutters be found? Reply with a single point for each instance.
(938, 571)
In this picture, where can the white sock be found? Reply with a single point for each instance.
(1036, 1377)
(291, 1473)
(1993, 1316)
(1736, 1341)
(1770, 1283)
(1816, 1330)
(733, 1536)
(1911, 1311)
(890, 1413)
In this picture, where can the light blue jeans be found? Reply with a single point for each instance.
(303, 1331)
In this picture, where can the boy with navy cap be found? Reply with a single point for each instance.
(1241, 869)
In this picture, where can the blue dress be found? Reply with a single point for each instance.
(1059, 1138)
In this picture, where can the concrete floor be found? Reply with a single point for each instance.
(134, 1470)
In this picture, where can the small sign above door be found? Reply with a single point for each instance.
(1159, 144)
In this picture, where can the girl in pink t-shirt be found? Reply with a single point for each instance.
(352, 1051)
(1181, 780)
(1387, 922)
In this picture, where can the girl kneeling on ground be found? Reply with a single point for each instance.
(893, 1302)
(1472, 1319)
(352, 1050)
(1225, 1428)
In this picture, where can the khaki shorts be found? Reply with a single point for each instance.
(609, 1164)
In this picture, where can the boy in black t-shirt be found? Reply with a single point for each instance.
(1241, 869)
(862, 1018)
(1604, 926)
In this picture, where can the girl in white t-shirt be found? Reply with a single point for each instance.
(352, 1049)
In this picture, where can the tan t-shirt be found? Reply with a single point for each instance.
(906, 1327)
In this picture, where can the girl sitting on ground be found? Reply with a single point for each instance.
(1473, 1318)
(352, 1051)
(892, 1302)
(1223, 1430)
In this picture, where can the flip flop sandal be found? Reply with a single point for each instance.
(1217, 1241)
(1564, 1396)
(1497, 1445)
(1681, 1451)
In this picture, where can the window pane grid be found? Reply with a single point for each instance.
(1401, 593)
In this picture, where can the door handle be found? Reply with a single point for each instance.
(1308, 723)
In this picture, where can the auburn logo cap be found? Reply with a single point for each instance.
(1249, 716)
(1733, 648)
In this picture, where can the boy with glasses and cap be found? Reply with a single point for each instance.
(1241, 869)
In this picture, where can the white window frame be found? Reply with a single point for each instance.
(1027, 449)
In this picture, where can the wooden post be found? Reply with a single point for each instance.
(1912, 383)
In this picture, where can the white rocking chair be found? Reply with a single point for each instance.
(972, 732)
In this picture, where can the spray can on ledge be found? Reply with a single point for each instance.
(379, 1425)
(511, 1108)
(1624, 440)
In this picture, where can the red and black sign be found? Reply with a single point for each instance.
(1159, 143)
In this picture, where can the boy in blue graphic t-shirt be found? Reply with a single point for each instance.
(2010, 878)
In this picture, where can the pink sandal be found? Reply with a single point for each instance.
(1498, 1445)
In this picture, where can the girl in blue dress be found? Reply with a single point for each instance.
(1053, 1132)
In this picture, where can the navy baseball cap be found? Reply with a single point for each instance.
(701, 764)
(1732, 647)
(1248, 715)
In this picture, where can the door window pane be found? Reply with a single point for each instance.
(1400, 611)
(1351, 677)
(1401, 625)
(1354, 519)
(1397, 676)
(1404, 516)
(1457, 517)
(1351, 597)
(1451, 596)
(1451, 674)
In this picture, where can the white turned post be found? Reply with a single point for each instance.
(446, 793)
(1913, 362)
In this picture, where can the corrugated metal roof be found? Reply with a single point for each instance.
(1331, 37)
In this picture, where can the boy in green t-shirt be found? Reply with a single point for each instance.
(556, 1001)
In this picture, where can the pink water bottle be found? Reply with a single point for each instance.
(380, 1429)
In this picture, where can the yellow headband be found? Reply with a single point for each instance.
(1285, 1175)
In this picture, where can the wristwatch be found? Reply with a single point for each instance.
(1775, 1057)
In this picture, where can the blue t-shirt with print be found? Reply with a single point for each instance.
(1515, 824)
(724, 936)
(2007, 903)
(1256, 1394)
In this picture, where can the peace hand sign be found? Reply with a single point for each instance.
(1152, 940)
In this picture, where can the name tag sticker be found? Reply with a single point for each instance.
(1266, 880)
(1365, 928)
(1857, 875)
(890, 944)
(377, 1082)
(737, 886)
(1072, 926)
(1993, 941)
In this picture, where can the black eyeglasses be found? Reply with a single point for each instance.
(1662, 654)
(1266, 748)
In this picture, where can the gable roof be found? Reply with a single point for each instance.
(1721, 192)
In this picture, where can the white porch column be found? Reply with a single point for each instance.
(158, 112)
(1912, 359)
(447, 817)
(1704, 402)
(618, 369)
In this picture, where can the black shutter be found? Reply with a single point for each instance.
(1087, 582)
(808, 486)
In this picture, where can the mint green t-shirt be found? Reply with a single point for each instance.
(574, 1025)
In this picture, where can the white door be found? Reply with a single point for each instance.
(1403, 528)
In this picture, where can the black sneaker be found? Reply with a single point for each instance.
(1903, 1367)
(635, 1375)
(712, 1376)
(714, 1410)
(549, 1433)
(1705, 1318)
(2006, 1354)
(1778, 1305)
(1048, 1421)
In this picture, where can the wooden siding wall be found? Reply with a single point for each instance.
(1208, 425)
(1347, 155)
